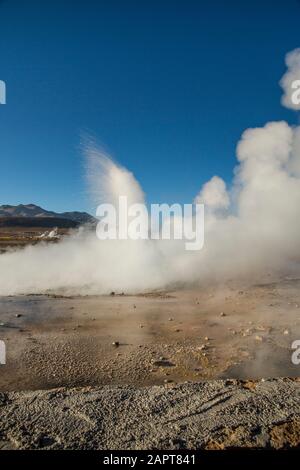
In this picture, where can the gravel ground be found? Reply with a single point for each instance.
(213, 414)
(226, 331)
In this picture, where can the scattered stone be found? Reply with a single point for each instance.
(163, 363)
(228, 382)
(261, 328)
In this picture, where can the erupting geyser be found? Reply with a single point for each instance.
(249, 229)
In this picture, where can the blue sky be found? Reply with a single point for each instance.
(167, 87)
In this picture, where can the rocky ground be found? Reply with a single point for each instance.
(216, 414)
(213, 332)
(152, 371)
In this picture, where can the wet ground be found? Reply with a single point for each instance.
(240, 331)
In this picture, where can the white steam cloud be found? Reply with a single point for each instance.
(250, 229)
(292, 76)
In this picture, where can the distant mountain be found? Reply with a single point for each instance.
(33, 211)
(37, 222)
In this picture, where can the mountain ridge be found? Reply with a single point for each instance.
(34, 211)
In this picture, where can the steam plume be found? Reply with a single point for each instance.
(251, 228)
(292, 61)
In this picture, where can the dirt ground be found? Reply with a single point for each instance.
(16, 237)
(225, 331)
(215, 414)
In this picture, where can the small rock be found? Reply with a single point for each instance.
(222, 314)
(18, 315)
(112, 293)
(116, 343)
(170, 319)
(258, 338)
(286, 332)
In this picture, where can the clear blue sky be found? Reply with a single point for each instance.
(166, 86)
